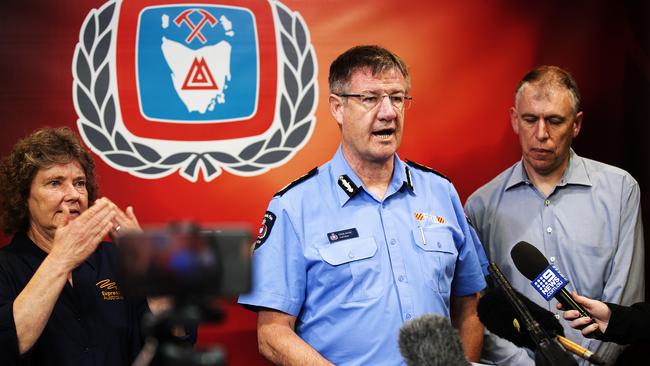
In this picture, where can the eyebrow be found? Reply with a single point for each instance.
(554, 115)
(49, 177)
(528, 115)
(388, 92)
(61, 177)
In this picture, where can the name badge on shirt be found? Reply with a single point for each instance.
(342, 235)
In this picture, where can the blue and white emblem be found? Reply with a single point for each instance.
(549, 282)
(196, 88)
(196, 46)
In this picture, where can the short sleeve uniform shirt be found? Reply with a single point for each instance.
(352, 268)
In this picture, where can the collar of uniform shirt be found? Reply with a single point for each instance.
(341, 167)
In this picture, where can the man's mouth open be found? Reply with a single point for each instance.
(385, 133)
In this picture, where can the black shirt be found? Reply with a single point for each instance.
(91, 323)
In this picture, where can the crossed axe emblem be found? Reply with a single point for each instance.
(184, 17)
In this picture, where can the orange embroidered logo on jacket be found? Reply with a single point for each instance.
(107, 284)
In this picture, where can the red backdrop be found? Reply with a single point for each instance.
(465, 59)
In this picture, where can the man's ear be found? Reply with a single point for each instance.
(514, 120)
(577, 124)
(336, 108)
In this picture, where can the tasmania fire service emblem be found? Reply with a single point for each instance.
(203, 87)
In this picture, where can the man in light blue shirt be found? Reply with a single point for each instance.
(582, 214)
(360, 245)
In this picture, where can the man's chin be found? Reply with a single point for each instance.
(542, 167)
(385, 148)
(381, 157)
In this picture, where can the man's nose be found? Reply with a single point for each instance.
(541, 130)
(386, 109)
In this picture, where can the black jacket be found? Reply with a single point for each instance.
(628, 324)
(92, 323)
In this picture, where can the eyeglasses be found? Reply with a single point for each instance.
(370, 101)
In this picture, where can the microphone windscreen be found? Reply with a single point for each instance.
(528, 260)
(430, 340)
(497, 314)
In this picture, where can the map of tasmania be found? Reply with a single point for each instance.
(199, 76)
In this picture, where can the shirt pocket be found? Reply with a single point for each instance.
(356, 259)
(438, 254)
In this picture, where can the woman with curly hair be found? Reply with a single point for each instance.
(59, 301)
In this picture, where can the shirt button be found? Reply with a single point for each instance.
(549, 230)
(392, 241)
(401, 278)
(86, 349)
(547, 202)
(408, 315)
(351, 255)
(557, 316)
(552, 259)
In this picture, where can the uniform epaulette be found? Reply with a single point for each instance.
(426, 169)
(296, 182)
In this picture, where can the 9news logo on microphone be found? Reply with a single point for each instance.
(549, 282)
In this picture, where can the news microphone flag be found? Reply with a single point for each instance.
(549, 282)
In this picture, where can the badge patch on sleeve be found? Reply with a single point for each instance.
(342, 235)
(265, 229)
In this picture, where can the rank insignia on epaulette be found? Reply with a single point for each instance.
(426, 169)
(469, 221)
(284, 190)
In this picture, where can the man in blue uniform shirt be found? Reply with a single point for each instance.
(360, 245)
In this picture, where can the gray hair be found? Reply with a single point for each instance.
(550, 76)
(375, 58)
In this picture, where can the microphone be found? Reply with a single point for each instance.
(547, 351)
(430, 340)
(580, 351)
(504, 322)
(546, 279)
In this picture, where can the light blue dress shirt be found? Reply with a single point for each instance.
(589, 227)
(353, 268)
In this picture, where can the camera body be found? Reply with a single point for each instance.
(185, 262)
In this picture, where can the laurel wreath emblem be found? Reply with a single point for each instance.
(99, 122)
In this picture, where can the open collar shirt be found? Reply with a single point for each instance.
(589, 227)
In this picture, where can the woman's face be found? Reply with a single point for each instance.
(57, 194)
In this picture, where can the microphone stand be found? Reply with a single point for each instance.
(548, 351)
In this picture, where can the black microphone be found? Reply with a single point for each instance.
(430, 340)
(504, 322)
(548, 351)
(545, 278)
